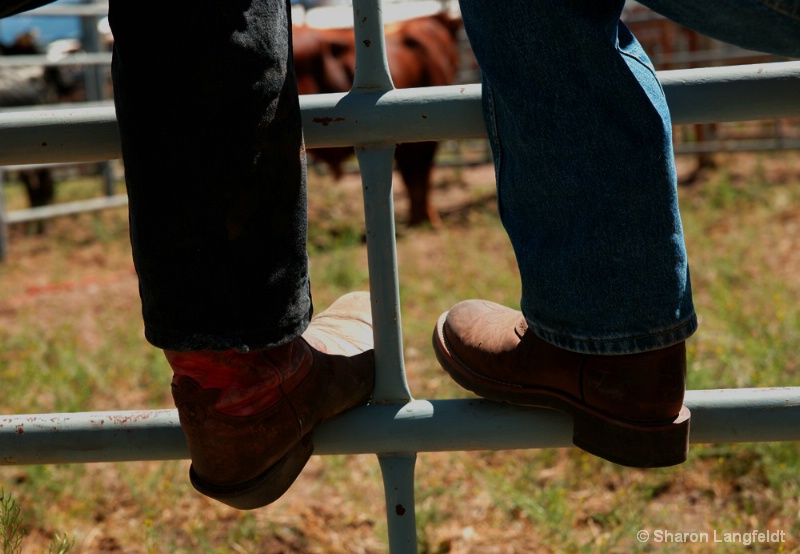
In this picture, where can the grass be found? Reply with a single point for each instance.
(12, 532)
(71, 340)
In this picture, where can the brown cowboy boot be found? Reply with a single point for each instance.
(627, 409)
(248, 417)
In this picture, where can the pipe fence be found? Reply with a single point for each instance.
(374, 117)
(95, 61)
(658, 33)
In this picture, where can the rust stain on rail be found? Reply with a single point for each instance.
(58, 422)
(124, 419)
(325, 121)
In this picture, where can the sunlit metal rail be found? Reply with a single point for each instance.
(731, 93)
(81, 58)
(374, 117)
(723, 415)
(97, 9)
(86, 134)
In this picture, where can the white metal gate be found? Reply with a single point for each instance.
(374, 117)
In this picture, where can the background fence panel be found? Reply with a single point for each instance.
(374, 117)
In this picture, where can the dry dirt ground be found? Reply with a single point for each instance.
(96, 278)
(95, 272)
(70, 271)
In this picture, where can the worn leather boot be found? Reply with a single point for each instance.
(248, 417)
(627, 409)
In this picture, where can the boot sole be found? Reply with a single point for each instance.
(628, 443)
(263, 489)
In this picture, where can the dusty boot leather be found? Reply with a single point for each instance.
(627, 409)
(248, 417)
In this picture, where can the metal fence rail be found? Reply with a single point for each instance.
(722, 415)
(374, 117)
(370, 116)
(96, 61)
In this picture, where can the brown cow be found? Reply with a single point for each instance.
(24, 86)
(421, 52)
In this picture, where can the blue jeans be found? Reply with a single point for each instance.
(212, 144)
(582, 145)
(764, 25)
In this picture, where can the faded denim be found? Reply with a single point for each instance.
(582, 144)
(210, 125)
(763, 25)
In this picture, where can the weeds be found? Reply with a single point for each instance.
(79, 345)
(61, 544)
(10, 524)
(12, 532)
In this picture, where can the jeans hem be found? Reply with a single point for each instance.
(241, 342)
(619, 345)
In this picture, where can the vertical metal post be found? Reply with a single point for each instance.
(398, 488)
(372, 67)
(3, 226)
(376, 177)
(376, 162)
(91, 43)
(95, 80)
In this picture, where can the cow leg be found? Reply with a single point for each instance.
(40, 187)
(334, 158)
(415, 163)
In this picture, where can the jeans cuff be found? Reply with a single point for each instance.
(619, 345)
(242, 342)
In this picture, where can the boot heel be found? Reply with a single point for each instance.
(263, 489)
(630, 444)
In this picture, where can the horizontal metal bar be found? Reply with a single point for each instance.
(11, 168)
(91, 437)
(42, 108)
(723, 415)
(733, 93)
(714, 57)
(82, 58)
(745, 415)
(400, 115)
(96, 204)
(67, 208)
(736, 93)
(59, 10)
(737, 145)
(73, 134)
(408, 115)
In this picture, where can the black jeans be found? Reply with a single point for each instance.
(13, 7)
(208, 113)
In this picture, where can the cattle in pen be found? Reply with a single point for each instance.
(30, 85)
(421, 52)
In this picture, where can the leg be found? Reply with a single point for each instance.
(586, 180)
(581, 138)
(215, 169)
(214, 163)
(415, 163)
(13, 7)
(764, 25)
